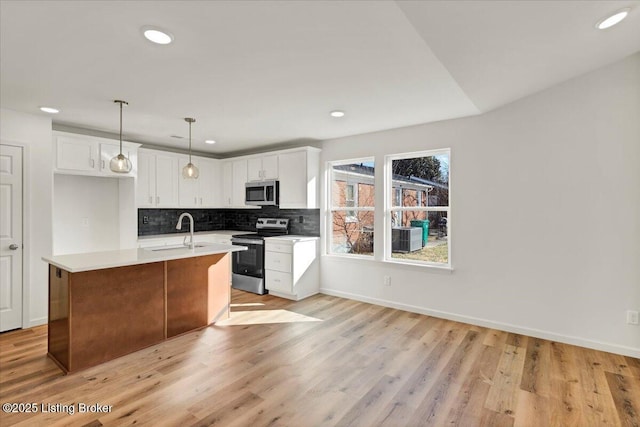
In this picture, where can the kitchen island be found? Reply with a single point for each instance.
(103, 305)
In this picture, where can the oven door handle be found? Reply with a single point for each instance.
(247, 242)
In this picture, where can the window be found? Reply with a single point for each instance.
(418, 229)
(351, 207)
(416, 208)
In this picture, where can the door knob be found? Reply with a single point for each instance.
(13, 246)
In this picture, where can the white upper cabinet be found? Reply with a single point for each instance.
(167, 174)
(187, 188)
(263, 167)
(76, 153)
(234, 178)
(201, 192)
(209, 183)
(222, 182)
(88, 155)
(227, 184)
(157, 183)
(299, 178)
(146, 183)
(160, 182)
(239, 172)
(108, 151)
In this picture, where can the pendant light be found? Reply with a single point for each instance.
(120, 163)
(190, 171)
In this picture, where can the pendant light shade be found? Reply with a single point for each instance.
(120, 163)
(190, 171)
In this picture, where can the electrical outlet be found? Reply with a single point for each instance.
(84, 222)
(387, 280)
(632, 317)
(301, 219)
(145, 219)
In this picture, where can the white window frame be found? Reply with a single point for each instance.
(331, 208)
(389, 208)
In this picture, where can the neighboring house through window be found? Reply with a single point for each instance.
(350, 201)
(351, 207)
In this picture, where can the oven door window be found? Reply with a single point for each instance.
(255, 194)
(249, 262)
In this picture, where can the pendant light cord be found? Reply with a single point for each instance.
(189, 142)
(121, 128)
(120, 102)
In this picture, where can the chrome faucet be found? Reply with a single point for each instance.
(179, 227)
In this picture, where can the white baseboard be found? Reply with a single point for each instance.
(507, 327)
(36, 322)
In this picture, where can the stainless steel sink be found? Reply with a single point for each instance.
(171, 247)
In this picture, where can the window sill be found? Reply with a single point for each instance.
(444, 269)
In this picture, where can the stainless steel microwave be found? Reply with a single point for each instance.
(262, 193)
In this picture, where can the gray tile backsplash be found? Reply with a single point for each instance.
(163, 221)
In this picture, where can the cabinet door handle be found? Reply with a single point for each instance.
(150, 200)
(158, 200)
(92, 162)
(103, 164)
(200, 201)
(195, 200)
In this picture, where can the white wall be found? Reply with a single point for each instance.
(85, 214)
(33, 132)
(545, 215)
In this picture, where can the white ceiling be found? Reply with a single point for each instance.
(261, 73)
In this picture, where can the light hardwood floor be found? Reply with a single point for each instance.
(327, 361)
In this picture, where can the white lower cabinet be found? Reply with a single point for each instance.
(292, 266)
(279, 282)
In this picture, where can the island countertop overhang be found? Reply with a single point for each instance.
(76, 263)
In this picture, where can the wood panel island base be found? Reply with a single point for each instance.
(99, 314)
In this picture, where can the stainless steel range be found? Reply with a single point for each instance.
(248, 266)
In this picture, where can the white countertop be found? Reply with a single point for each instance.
(75, 263)
(291, 238)
(196, 234)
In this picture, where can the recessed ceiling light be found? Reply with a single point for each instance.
(157, 35)
(210, 141)
(337, 113)
(612, 19)
(50, 110)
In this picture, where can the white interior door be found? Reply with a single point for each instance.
(10, 237)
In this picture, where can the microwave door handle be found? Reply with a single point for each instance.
(265, 193)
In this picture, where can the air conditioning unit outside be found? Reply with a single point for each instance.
(406, 239)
